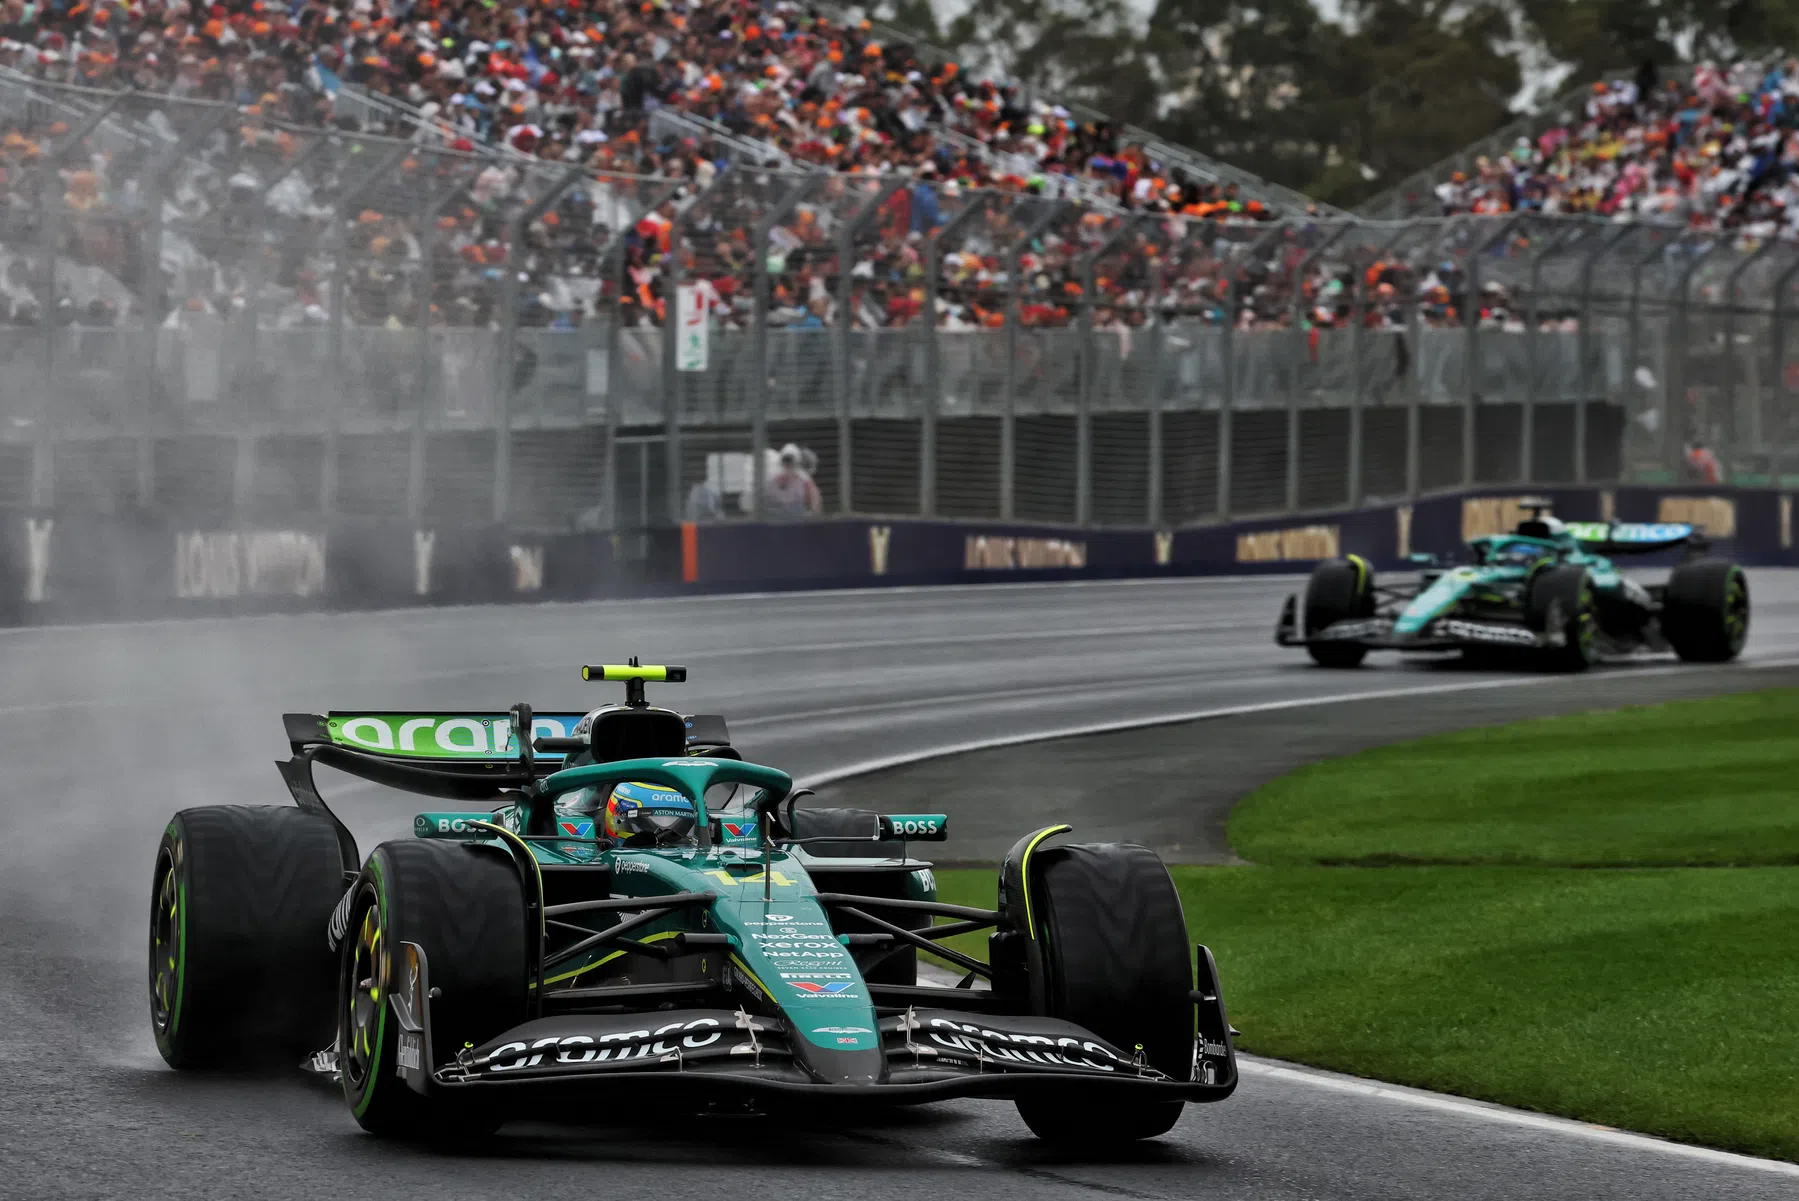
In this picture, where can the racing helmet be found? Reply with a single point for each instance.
(647, 814)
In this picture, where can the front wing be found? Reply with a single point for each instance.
(930, 1054)
(1441, 634)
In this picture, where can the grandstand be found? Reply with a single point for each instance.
(296, 280)
(1710, 148)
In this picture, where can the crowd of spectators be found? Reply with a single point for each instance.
(1716, 150)
(576, 81)
(502, 97)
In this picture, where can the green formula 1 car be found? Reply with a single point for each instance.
(636, 913)
(1547, 593)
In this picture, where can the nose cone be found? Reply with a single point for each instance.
(1433, 602)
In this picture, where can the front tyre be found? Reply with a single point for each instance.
(463, 906)
(1338, 590)
(1705, 611)
(240, 973)
(1116, 962)
(1559, 600)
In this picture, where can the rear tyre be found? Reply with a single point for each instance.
(1116, 962)
(1339, 590)
(464, 907)
(1560, 599)
(1705, 611)
(240, 973)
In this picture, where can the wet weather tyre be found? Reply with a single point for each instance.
(240, 972)
(1339, 590)
(1559, 599)
(1115, 961)
(1705, 611)
(464, 907)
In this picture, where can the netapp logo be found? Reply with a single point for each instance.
(257, 563)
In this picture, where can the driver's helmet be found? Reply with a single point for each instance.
(1518, 554)
(647, 813)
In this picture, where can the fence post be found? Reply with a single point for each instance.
(933, 256)
(1302, 352)
(1008, 430)
(1678, 369)
(1527, 422)
(1777, 376)
(508, 348)
(1659, 250)
(1730, 337)
(1083, 435)
(43, 453)
(155, 181)
(1227, 396)
(853, 227)
(1586, 349)
(415, 458)
(790, 199)
(1471, 319)
(671, 335)
(1157, 339)
(335, 319)
(1414, 416)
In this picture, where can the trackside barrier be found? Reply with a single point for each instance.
(85, 567)
(1753, 525)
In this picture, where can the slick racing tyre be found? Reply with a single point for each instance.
(464, 907)
(1116, 962)
(1705, 611)
(240, 973)
(1339, 590)
(1560, 599)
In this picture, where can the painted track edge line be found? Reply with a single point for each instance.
(1295, 1073)
(867, 767)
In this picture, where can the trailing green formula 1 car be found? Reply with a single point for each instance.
(636, 913)
(1547, 593)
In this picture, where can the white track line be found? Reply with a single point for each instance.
(865, 767)
(1274, 1069)
(931, 975)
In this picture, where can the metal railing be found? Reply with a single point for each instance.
(204, 309)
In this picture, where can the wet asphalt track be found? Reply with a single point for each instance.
(105, 731)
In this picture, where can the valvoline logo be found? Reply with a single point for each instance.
(579, 828)
(825, 990)
(739, 829)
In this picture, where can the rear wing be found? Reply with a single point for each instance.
(472, 738)
(1634, 537)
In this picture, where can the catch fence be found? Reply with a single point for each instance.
(208, 310)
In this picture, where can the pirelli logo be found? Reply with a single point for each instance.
(1295, 542)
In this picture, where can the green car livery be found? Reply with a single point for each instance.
(728, 945)
(1547, 593)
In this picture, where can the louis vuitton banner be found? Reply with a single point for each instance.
(1753, 525)
(57, 568)
(75, 567)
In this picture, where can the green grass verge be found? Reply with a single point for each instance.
(1659, 1001)
(1703, 783)
(1660, 998)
